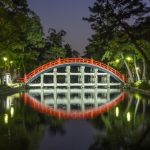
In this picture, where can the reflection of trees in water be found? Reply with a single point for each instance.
(118, 133)
(56, 127)
(24, 130)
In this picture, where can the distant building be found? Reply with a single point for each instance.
(5, 79)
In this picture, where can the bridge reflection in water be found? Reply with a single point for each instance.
(73, 103)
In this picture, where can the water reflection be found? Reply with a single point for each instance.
(130, 130)
(125, 126)
(73, 103)
(20, 127)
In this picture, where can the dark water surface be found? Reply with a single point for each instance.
(42, 120)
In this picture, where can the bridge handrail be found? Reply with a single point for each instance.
(73, 60)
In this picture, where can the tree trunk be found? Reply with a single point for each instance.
(23, 66)
(144, 70)
(128, 69)
(14, 74)
(132, 38)
(140, 50)
(136, 70)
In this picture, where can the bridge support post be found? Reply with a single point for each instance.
(95, 77)
(42, 96)
(55, 77)
(82, 75)
(95, 98)
(108, 80)
(68, 76)
(108, 94)
(68, 99)
(55, 98)
(25, 78)
(82, 99)
(55, 87)
(42, 81)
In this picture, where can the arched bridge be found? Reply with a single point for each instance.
(74, 72)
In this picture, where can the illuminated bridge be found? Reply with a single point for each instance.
(74, 72)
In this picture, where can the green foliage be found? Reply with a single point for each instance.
(145, 85)
(55, 38)
(119, 27)
(22, 39)
(21, 34)
(54, 47)
(71, 53)
(55, 53)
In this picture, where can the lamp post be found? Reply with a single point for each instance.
(137, 68)
(5, 59)
(11, 64)
(117, 61)
(129, 58)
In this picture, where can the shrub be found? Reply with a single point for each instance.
(142, 84)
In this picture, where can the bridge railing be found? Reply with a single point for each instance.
(73, 60)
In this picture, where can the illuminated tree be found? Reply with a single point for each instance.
(111, 16)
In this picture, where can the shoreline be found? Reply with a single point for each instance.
(10, 91)
(141, 91)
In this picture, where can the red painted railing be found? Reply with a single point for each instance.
(58, 62)
(91, 113)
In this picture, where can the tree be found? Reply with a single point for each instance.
(120, 53)
(21, 34)
(54, 45)
(70, 52)
(55, 38)
(111, 16)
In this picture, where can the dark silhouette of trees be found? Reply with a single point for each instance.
(21, 33)
(122, 19)
(54, 45)
(70, 52)
(22, 39)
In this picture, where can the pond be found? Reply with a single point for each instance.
(75, 119)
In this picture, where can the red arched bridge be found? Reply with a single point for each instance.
(74, 72)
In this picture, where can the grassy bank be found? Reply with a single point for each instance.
(142, 87)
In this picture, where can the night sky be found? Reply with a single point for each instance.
(66, 15)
